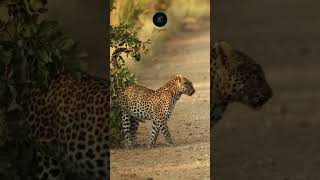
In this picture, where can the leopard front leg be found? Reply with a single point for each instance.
(126, 129)
(165, 131)
(154, 133)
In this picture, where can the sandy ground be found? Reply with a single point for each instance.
(187, 53)
(280, 142)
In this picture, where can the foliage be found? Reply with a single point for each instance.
(112, 6)
(135, 12)
(33, 49)
(122, 40)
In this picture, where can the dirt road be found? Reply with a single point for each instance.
(281, 141)
(186, 54)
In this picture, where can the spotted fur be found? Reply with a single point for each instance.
(139, 103)
(235, 77)
(71, 118)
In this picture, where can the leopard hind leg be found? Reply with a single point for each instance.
(134, 122)
(126, 128)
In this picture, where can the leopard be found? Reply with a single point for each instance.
(235, 77)
(69, 122)
(139, 103)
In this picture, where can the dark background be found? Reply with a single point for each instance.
(281, 141)
(86, 22)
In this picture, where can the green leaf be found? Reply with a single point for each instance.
(43, 10)
(57, 54)
(6, 57)
(14, 106)
(12, 91)
(26, 30)
(45, 57)
(48, 27)
(36, 4)
(67, 44)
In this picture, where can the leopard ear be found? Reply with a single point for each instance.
(223, 50)
(215, 51)
(179, 77)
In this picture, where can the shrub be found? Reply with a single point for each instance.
(32, 50)
(123, 40)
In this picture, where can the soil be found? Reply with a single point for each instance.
(185, 53)
(281, 141)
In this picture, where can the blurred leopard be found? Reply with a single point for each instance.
(235, 77)
(69, 122)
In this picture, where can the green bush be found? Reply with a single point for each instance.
(123, 40)
(33, 49)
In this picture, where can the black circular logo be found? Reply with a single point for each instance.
(160, 19)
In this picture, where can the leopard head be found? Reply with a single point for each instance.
(237, 77)
(184, 85)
